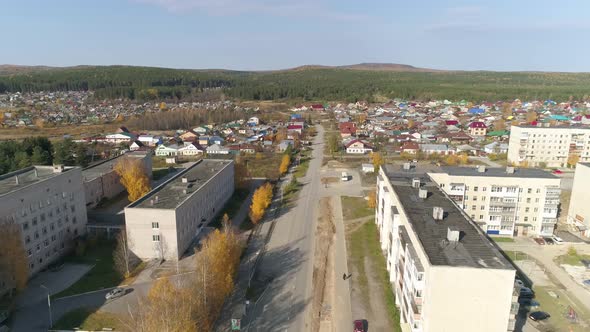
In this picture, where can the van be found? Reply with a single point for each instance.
(344, 176)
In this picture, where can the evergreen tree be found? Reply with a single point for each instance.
(40, 156)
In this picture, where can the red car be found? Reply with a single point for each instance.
(539, 240)
(359, 326)
(556, 171)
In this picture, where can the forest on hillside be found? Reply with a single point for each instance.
(314, 84)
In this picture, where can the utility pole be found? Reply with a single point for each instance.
(49, 306)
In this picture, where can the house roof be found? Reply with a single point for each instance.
(355, 141)
(410, 146)
(477, 124)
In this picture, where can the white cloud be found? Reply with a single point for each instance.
(291, 8)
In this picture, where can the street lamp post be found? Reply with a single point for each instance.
(49, 306)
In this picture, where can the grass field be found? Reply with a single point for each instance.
(571, 258)
(90, 320)
(102, 275)
(231, 207)
(355, 207)
(558, 307)
(263, 165)
(502, 239)
(364, 243)
(516, 255)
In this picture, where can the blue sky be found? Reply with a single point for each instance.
(275, 34)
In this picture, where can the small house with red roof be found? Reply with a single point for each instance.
(410, 147)
(318, 107)
(478, 128)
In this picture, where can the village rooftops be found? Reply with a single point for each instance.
(176, 190)
(497, 172)
(25, 177)
(473, 248)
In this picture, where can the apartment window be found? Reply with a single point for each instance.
(536, 210)
(481, 217)
(156, 238)
(526, 210)
(483, 199)
(155, 225)
(42, 216)
(73, 208)
(36, 235)
(526, 218)
(511, 189)
(52, 226)
(529, 190)
(473, 216)
(484, 188)
(483, 207)
(29, 252)
(538, 191)
(536, 200)
(466, 197)
(74, 220)
(25, 226)
(534, 218)
(496, 189)
(35, 221)
(475, 188)
(528, 200)
(475, 198)
(46, 243)
(44, 230)
(38, 248)
(27, 239)
(473, 207)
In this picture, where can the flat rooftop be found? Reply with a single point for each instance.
(26, 177)
(172, 193)
(474, 248)
(99, 169)
(576, 126)
(497, 172)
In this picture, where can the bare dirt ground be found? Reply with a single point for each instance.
(323, 278)
(367, 297)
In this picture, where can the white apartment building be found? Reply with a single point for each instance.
(164, 222)
(48, 203)
(446, 273)
(550, 145)
(102, 182)
(504, 201)
(579, 210)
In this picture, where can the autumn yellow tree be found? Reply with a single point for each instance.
(133, 177)
(281, 135)
(285, 162)
(573, 159)
(506, 109)
(372, 199)
(531, 116)
(499, 124)
(14, 264)
(411, 124)
(260, 202)
(377, 160)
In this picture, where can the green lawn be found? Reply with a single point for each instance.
(265, 165)
(159, 173)
(86, 319)
(557, 308)
(516, 255)
(502, 239)
(102, 275)
(302, 168)
(571, 258)
(231, 207)
(363, 243)
(355, 207)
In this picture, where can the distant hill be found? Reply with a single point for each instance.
(16, 69)
(394, 67)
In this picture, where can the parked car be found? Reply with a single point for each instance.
(556, 171)
(519, 283)
(539, 240)
(528, 302)
(548, 240)
(586, 263)
(115, 293)
(539, 315)
(359, 326)
(586, 282)
(526, 292)
(557, 239)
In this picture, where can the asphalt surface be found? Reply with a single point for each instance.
(288, 261)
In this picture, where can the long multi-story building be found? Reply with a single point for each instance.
(549, 146)
(102, 182)
(48, 203)
(164, 222)
(446, 273)
(579, 210)
(504, 201)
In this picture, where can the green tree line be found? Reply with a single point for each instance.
(146, 83)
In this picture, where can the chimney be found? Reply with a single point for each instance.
(157, 198)
(438, 213)
(36, 172)
(184, 191)
(453, 234)
(184, 180)
(151, 202)
(481, 169)
(423, 193)
(510, 170)
(58, 168)
(416, 183)
(406, 166)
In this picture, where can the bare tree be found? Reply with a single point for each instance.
(14, 265)
(123, 258)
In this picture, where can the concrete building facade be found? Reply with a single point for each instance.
(553, 146)
(48, 203)
(446, 273)
(579, 210)
(163, 223)
(504, 201)
(102, 182)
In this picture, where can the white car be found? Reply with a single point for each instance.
(115, 293)
(557, 239)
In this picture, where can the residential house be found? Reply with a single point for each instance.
(410, 147)
(441, 149)
(117, 138)
(478, 128)
(282, 147)
(192, 149)
(167, 150)
(357, 146)
(496, 147)
(189, 136)
(203, 140)
(215, 140)
(201, 130)
(295, 128)
(136, 145)
(367, 168)
(217, 149)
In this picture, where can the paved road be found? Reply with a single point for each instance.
(486, 161)
(286, 303)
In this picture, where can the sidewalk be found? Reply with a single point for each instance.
(342, 313)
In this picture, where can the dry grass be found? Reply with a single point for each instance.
(58, 132)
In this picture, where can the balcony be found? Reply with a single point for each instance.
(417, 310)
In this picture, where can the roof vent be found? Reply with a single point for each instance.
(58, 168)
(17, 180)
(416, 183)
(151, 202)
(423, 193)
(36, 172)
(510, 170)
(453, 234)
(481, 169)
(156, 199)
(438, 213)
(184, 191)
(406, 166)
(184, 180)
